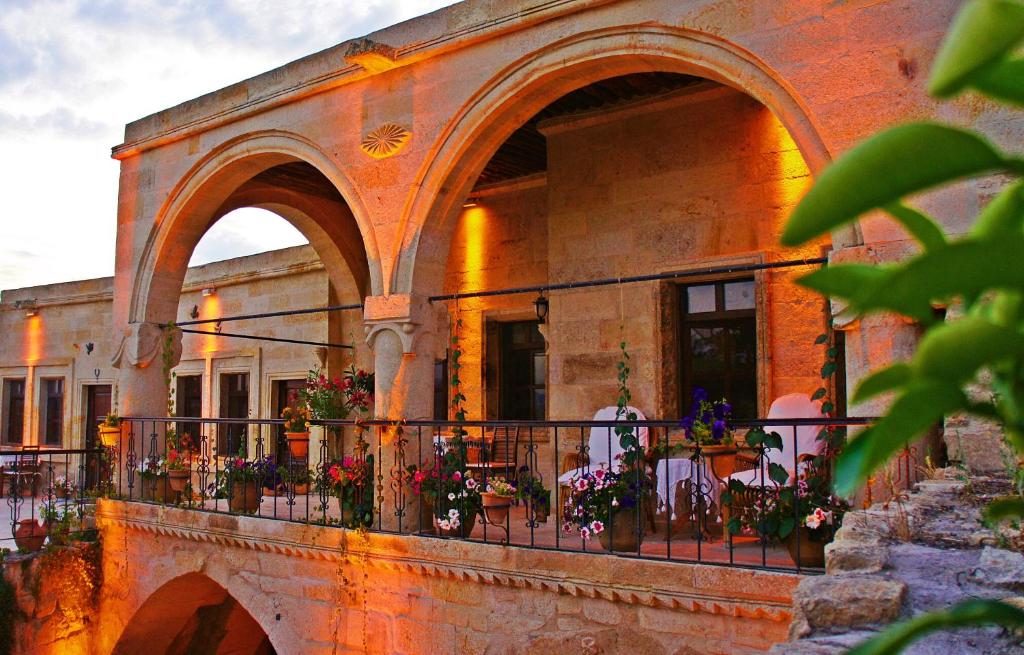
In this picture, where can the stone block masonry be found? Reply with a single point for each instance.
(319, 589)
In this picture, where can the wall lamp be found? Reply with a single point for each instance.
(470, 203)
(28, 305)
(209, 291)
(29, 313)
(541, 305)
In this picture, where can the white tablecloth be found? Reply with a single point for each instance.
(677, 470)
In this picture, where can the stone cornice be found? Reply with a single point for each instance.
(375, 556)
(219, 107)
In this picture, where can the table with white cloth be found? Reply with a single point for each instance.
(676, 471)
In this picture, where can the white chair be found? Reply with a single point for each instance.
(603, 447)
(791, 406)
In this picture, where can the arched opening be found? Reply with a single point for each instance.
(243, 232)
(193, 615)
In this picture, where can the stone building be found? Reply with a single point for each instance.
(538, 145)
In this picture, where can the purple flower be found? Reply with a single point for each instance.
(718, 429)
(699, 394)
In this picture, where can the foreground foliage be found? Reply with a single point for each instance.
(982, 270)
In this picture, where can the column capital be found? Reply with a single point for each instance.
(142, 343)
(408, 316)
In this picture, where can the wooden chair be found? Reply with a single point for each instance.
(24, 474)
(499, 457)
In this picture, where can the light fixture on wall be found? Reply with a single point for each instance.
(195, 312)
(209, 291)
(89, 347)
(32, 311)
(470, 203)
(28, 305)
(541, 305)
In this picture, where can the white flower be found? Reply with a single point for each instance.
(451, 496)
(444, 524)
(453, 513)
(615, 502)
(470, 483)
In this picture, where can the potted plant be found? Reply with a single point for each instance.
(707, 426)
(238, 483)
(535, 496)
(496, 500)
(179, 460)
(110, 430)
(153, 473)
(59, 522)
(62, 488)
(296, 429)
(29, 535)
(449, 493)
(270, 478)
(298, 476)
(336, 399)
(350, 480)
(608, 503)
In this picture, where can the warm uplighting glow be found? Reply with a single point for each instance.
(211, 307)
(475, 224)
(33, 338)
(209, 291)
(470, 203)
(30, 313)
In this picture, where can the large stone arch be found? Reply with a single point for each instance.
(193, 611)
(206, 193)
(521, 89)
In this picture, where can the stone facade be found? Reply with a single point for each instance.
(324, 590)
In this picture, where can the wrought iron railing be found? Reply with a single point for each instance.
(50, 494)
(413, 477)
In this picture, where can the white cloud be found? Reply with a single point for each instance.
(74, 72)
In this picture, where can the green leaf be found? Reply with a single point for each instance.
(1002, 81)
(820, 393)
(968, 613)
(755, 436)
(921, 405)
(844, 280)
(885, 168)
(955, 351)
(832, 352)
(821, 338)
(786, 526)
(984, 32)
(1003, 215)
(827, 407)
(964, 268)
(828, 369)
(882, 380)
(734, 525)
(773, 440)
(921, 227)
(1004, 509)
(777, 473)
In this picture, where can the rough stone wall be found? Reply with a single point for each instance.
(53, 597)
(898, 560)
(325, 590)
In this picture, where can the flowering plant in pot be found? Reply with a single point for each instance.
(535, 496)
(239, 481)
(62, 488)
(707, 426)
(299, 476)
(153, 474)
(110, 430)
(496, 500)
(335, 399)
(296, 429)
(608, 503)
(350, 480)
(450, 494)
(179, 459)
(59, 521)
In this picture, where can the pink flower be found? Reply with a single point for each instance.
(456, 476)
(597, 527)
(585, 533)
(470, 484)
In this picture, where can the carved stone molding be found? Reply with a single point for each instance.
(385, 140)
(142, 343)
(409, 317)
(373, 56)
(705, 602)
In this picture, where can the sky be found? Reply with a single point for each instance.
(74, 72)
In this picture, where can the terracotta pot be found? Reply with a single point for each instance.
(542, 513)
(301, 489)
(60, 493)
(622, 535)
(29, 535)
(462, 532)
(178, 478)
(109, 436)
(721, 460)
(156, 489)
(298, 444)
(245, 497)
(812, 550)
(496, 507)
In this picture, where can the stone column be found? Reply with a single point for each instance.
(141, 390)
(400, 329)
(873, 343)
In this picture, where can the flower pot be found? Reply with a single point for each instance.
(301, 489)
(245, 496)
(298, 444)
(61, 493)
(543, 511)
(622, 534)
(177, 479)
(721, 459)
(155, 489)
(462, 532)
(496, 507)
(29, 535)
(812, 548)
(109, 435)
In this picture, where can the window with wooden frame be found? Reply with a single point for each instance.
(234, 403)
(13, 410)
(718, 344)
(51, 411)
(189, 403)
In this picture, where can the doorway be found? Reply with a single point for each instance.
(97, 406)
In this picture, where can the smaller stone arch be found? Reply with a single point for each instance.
(192, 614)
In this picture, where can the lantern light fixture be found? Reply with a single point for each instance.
(541, 305)
(209, 291)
